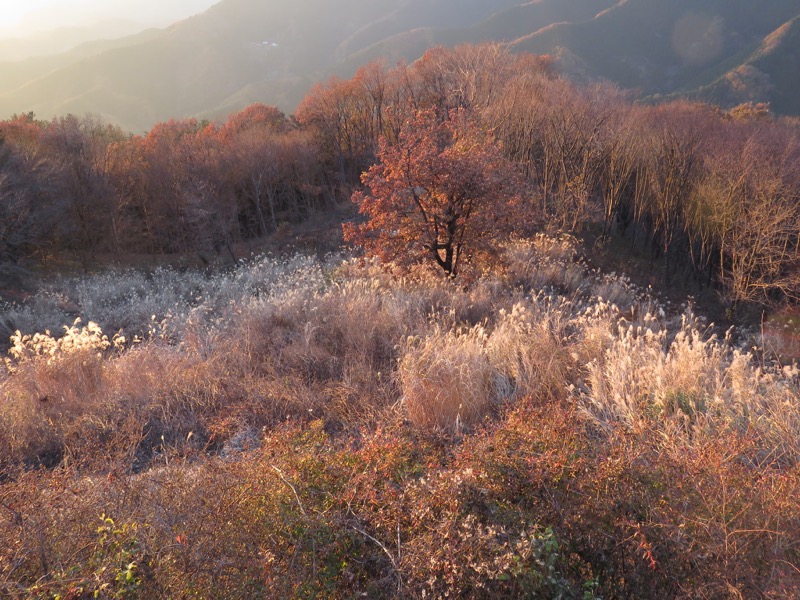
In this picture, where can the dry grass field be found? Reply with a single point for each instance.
(338, 429)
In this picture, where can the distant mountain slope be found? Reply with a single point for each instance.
(65, 38)
(237, 52)
(525, 19)
(242, 51)
(770, 74)
(660, 46)
(507, 22)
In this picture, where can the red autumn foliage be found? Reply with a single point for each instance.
(444, 192)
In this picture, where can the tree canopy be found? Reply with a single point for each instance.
(444, 192)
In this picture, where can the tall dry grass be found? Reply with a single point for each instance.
(695, 386)
(352, 341)
(446, 378)
(279, 429)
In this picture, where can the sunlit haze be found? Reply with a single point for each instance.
(21, 18)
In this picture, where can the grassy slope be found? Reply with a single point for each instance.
(298, 428)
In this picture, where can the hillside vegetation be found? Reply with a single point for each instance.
(455, 402)
(296, 428)
(708, 197)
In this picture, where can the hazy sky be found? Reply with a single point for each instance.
(22, 17)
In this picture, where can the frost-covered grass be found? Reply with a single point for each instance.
(350, 338)
(529, 432)
(133, 300)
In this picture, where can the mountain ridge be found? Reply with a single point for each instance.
(241, 51)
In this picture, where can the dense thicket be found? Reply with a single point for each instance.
(74, 184)
(702, 190)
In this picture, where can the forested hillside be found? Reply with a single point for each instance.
(697, 190)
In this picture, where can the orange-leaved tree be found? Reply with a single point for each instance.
(444, 192)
